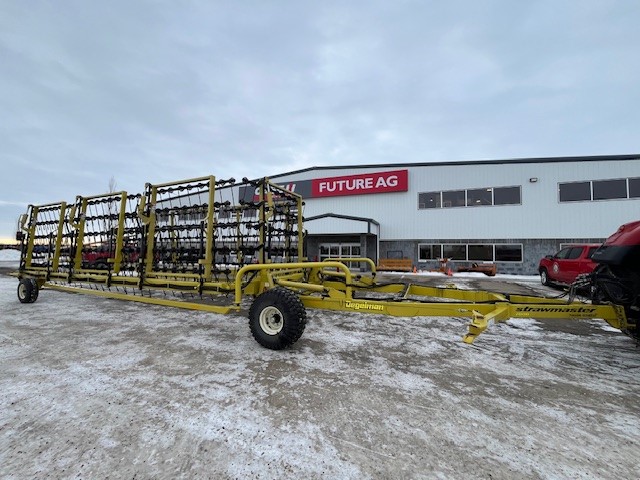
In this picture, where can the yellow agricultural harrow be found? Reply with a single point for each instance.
(207, 244)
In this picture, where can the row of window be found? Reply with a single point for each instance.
(335, 250)
(613, 189)
(471, 197)
(572, 253)
(472, 252)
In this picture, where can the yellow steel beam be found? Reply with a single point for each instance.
(480, 322)
(150, 300)
(481, 313)
(59, 233)
(211, 218)
(31, 234)
(150, 222)
(79, 226)
(120, 236)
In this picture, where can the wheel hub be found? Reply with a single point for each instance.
(271, 320)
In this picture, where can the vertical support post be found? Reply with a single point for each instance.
(58, 245)
(300, 229)
(33, 221)
(80, 231)
(208, 258)
(117, 260)
(151, 225)
(263, 221)
(239, 244)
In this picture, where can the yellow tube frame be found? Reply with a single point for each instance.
(328, 285)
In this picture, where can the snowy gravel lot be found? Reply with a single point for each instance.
(96, 388)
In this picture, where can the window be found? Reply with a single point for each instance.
(429, 200)
(591, 251)
(506, 196)
(472, 197)
(336, 250)
(609, 189)
(575, 192)
(453, 198)
(473, 253)
(564, 253)
(508, 253)
(480, 196)
(455, 251)
(574, 253)
(634, 188)
(429, 252)
(481, 252)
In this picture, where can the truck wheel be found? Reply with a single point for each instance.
(28, 290)
(277, 318)
(544, 277)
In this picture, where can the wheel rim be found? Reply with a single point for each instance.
(543, 277)
(271, 321)
(22, 291)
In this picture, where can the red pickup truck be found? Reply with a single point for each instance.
(98, 257)
(567, 264)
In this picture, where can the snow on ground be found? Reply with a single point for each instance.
(429, 273)
(9, 258)
(92, 387)
(461, 276)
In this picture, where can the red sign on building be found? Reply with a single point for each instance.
(361, 184)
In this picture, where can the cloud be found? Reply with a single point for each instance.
(149, 91)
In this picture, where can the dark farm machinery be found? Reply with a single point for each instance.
(210, 244)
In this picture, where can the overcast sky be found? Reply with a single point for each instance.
(158, 91)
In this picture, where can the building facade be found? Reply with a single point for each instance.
(509, 212)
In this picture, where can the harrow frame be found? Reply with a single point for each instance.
(190, 244)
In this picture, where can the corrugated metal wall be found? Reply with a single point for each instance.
(540, 215)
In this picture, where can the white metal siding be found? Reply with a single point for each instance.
(541, 215)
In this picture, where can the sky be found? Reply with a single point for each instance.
(158, 91)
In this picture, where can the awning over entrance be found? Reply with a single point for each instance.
(332, 235)
(326, 223)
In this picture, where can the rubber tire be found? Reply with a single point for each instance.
(28, 290)
(544, 277)
(285, 304)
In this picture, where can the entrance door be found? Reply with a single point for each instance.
(339, 250)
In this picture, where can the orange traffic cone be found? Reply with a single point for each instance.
(449, 273)
(415, 270)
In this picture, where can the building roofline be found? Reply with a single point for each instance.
(592, 158)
